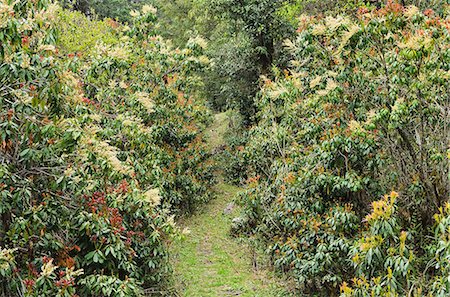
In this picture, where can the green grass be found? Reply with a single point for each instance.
(209, 262)
(216, 131)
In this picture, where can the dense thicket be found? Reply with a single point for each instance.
(244, 41)
(100, 144)
(362, 110)
(115, 9)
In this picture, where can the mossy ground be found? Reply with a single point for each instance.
(210, 262)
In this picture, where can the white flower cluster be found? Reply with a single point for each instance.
(200, 41)
(6, 11)
(152, 196)
(23, 96)
(104, 150)
(146, 101)
(48, 268)
(26, 61)
(331, 24)
(47, 48)
(416, 42)
(119, 52)
(411, 11)
(149, 9)
(6, 258)
(47, 16)
(352, 30)
(331, 85)
(315, 82)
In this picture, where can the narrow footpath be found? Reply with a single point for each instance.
(209, 262)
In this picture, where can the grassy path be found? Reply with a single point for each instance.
(211, 263)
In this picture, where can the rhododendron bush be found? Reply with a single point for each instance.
(363, 109)
(98, 149)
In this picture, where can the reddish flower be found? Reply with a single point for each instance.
(29, 284)
(86, 100)
(123, 187)
(362, 10)
(9, 115)
(32, 270)
(25, 40)
(116, 218)
(64, 283)
(428, 12)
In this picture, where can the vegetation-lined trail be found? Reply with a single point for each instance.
(338, 131)
(209, 262)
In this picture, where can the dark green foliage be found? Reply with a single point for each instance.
(114, 9)
(254, 52)
(244, 42)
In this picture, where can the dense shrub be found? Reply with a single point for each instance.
(98, 150)
(362, 110)
(79, 34)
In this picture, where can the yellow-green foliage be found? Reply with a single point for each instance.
(80, 34)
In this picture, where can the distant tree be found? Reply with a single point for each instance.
(115, 9)
(263, 27)
(261, 21)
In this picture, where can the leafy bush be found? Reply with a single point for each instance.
(79, 34)
(97, 151)
(361, 111)
(382, 258)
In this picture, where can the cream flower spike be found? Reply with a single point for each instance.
(149, 9)
(135, 13)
